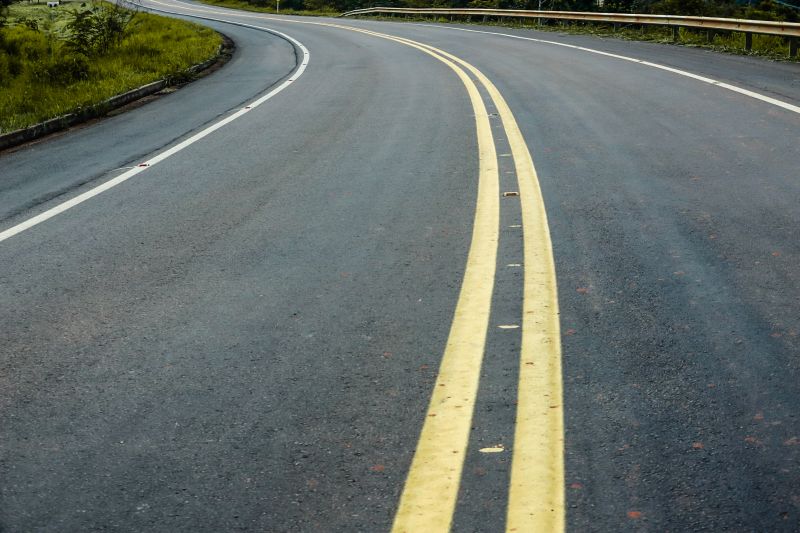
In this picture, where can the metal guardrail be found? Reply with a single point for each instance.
(790, 30)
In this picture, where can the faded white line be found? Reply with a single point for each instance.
(758, 96)
(141, 167)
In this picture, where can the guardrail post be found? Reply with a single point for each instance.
(676, 34)
(710, 35)
(748, 40)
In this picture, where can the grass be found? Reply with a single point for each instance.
(42, 78)
(246, 6)
(771, 46)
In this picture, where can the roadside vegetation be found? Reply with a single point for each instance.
(312, 8)
(60, 60)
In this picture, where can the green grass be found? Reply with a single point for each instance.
(40, 78)
(246, 6)
(45, 17)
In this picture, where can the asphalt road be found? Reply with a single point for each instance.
(246, 335)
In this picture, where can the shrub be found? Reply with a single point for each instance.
(5, 69)
(64, 70)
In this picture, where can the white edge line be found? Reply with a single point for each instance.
(758, 96)
(141, 167)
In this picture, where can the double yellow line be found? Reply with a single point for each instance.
(536, 491)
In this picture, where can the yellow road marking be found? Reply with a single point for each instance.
(429, 496)
(536, 494)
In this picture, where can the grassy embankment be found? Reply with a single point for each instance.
(50, 66)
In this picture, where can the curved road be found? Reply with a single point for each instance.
(260, 327)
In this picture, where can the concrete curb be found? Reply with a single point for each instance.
(15, 138)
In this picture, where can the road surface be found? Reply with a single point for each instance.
(258, 328)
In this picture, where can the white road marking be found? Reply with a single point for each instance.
(758, 96)
(141, 167)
